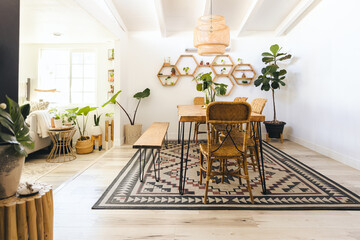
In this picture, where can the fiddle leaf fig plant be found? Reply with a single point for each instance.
(139, 96)
(272, 77)
(205, 82)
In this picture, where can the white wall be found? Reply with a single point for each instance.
(322, 103)
(146, 55)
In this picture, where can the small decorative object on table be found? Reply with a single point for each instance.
(28, 189)
(205, 83)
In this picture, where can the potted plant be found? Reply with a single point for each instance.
(186, 69)
(239, 60)
(167, 78)
(96, 129)
(271, 79)
(223, 70)
(56, 120)
(14, 137)
(204, 85)
(173, 71)
(202, 62)
(83, 144)
(132, 130)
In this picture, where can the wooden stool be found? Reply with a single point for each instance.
(29, 217)
(99, 138)
(107, 125)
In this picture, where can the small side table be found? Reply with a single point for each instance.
(28, 217)
(99, 139)
(62, 150)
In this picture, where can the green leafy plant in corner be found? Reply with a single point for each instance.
(272, 76)
(139, 96)
(13, 130)
(204, 85)
(83, 114)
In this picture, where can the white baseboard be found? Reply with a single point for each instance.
(348, 160)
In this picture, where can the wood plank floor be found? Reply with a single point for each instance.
(75, 220)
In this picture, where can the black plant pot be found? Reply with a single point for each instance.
(274, 129)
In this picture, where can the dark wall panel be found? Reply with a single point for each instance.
(9, 48)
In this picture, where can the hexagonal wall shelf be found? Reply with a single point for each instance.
(243, 74)
(166, 76)
(203, 69)
(227, 80)
(222, 65)
(186, 61)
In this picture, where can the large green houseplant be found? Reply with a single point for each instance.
(14, 137)
(206, 85)
(83, 144)
(271, 78)
(132, 130)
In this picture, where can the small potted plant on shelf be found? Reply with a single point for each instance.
(202, 62)
(96, 129)
(14, 138)
(132, 130)
(186, 69)
(205, 82)
(173, 71)
(223, 70)
(222, 61)
(172, 83)
(207, 63)
(272, 78)
(167, 78)
(244, 81)
(239, 60)
(83, 144)
(111, 76)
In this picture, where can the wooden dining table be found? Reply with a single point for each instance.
(197, 113)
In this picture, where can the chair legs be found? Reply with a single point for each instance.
(201, 164)
(246, 172)
(208, 172)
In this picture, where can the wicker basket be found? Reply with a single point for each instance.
(84, 146)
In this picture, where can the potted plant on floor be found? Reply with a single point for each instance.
(14, 136)
(205, 82)
(132, 130)
(83, 144)
(272, 78)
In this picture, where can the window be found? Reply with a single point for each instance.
(71, 72)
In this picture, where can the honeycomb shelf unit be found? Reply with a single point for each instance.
(226, 62)
(230, 87)
(246, 71)
(163, 78)
(195, 64)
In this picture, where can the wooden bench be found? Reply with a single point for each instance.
(153, 139)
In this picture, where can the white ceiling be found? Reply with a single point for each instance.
(102, 20)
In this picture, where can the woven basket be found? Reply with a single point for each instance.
(84, 146)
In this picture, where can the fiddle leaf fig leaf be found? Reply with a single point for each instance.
(274, 49)
(112, 99)
(267, 54)
(142, 94)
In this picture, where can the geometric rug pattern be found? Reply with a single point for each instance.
(291, 185)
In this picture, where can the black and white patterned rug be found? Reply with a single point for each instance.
(291, 184)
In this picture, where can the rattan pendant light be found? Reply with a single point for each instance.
(211, 35)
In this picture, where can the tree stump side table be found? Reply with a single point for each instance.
(29, 217)
(62, 150)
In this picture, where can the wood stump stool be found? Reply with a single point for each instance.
(28, 217)
(99, 139)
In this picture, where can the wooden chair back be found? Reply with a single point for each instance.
(258, 104)
(199, 101)
(240, 99)
(230, 115)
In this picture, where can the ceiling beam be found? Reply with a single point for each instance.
(160, 17)
(116, 14)
(254, 5)
(293, 16)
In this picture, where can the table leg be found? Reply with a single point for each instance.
(262, 159)
(182, 169)
(179, 132)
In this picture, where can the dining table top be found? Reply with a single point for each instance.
(197, 113)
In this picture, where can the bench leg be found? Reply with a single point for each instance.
(156, 163)
(142, 168)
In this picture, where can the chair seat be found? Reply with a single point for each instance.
(225, 151)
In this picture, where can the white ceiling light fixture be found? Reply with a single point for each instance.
(211, 35)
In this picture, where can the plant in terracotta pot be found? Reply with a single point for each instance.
(210, 88)
(14, 137)
(83, 144)
(132, 130)
(272, 78)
